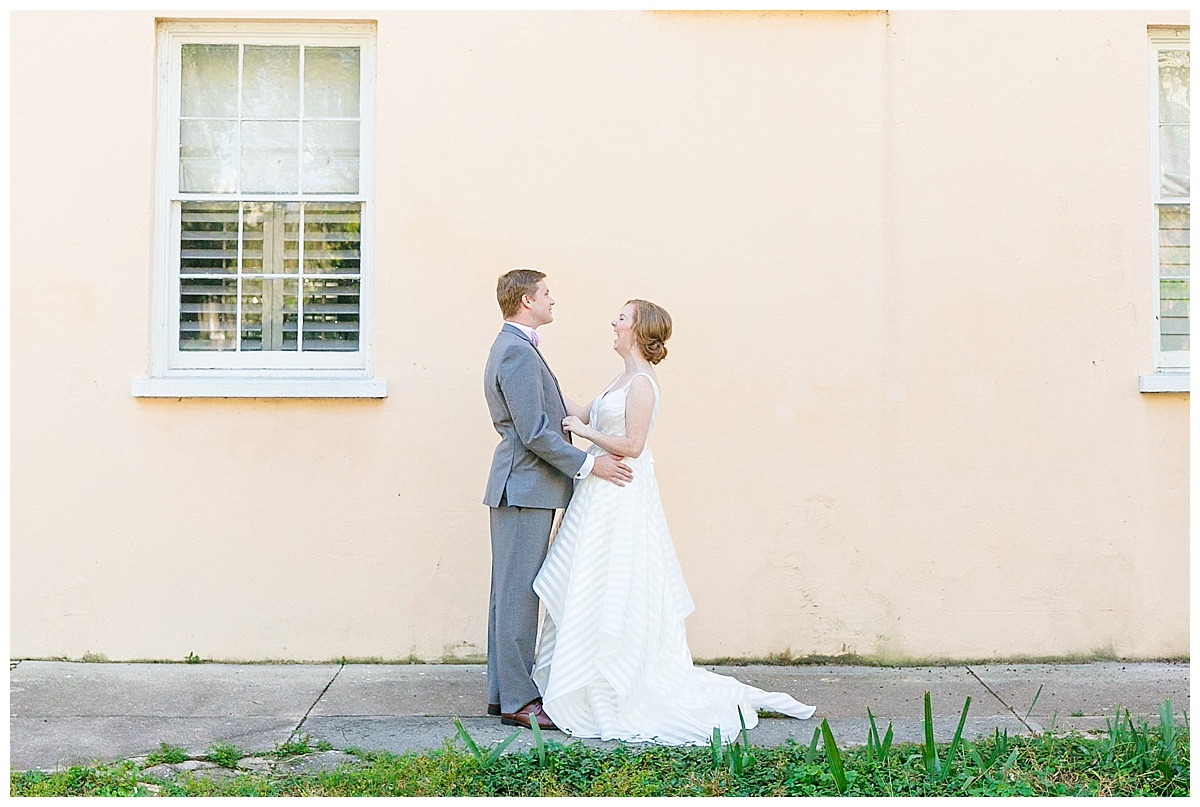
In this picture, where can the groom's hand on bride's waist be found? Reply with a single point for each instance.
(610, 467)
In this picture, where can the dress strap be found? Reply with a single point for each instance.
(653, 385)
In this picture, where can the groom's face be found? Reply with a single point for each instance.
(541, 304)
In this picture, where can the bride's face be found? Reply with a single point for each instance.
(623, 327)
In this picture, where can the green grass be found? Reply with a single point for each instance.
(1129, 759)
(298, 746)
(224, 754)
(166, 754)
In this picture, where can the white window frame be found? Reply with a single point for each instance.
(178, 373)
(1172, 367)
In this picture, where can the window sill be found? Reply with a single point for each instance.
(1166, 382)
(273, 387)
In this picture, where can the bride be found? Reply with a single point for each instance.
(612, 659)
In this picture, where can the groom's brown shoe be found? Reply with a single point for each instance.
(528, 713)
(493, 709)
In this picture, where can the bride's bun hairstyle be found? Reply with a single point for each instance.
(651, 328)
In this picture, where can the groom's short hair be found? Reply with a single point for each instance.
(514, 285)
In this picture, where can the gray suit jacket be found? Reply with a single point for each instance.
(535, 463)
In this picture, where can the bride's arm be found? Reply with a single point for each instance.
(639, 408)
(574, 409)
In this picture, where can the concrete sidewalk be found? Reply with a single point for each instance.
(64, 713)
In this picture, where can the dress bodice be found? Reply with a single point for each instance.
(608, 410)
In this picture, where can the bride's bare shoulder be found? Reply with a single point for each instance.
(644, 381)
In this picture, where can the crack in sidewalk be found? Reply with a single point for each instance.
(995, 695)
(300, 725)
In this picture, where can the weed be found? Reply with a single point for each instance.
(168, 754)
(834, 757)
(1146, 750)
(224, 754)
(1000, 743)
(877, 750)
(192, 658)
(810, 755)
(740, 758)
(1036, 695)
(293, 748)
(538, 743)
(735, 757)
(484, 758)
(323, 745)
(934, 765)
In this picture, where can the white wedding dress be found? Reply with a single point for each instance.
(612, 659)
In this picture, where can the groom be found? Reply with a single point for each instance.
(532, 474)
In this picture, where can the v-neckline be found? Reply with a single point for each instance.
(612, 389)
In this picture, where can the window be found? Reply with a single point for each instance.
(265, 210)
(1171, 111)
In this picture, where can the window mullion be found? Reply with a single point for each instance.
(300, 239)
(300, 128)
(274, 266)
(238, 136)
(300, 232)
(237, 335)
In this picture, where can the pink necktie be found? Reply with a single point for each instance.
(534, 337)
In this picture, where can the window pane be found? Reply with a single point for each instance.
(289, 313)
(1174, 269)
(270, 161)
(208, 238)
(269, 314)
(271, 82)
(252, 314)
(1175, 160)
(253, 214)
(209, 81)
(207, 313)
(331, 157)
(331, 82)
(279, 314)
(332, 238)
(291, 237)
(207, 156)
(270, 242)
(1173, 314)
(1174, 80)
(331, 319)
(1174, 115)
(1174, 241)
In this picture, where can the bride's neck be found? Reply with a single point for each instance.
(635, 363)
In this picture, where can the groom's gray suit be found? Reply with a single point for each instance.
(532, 474)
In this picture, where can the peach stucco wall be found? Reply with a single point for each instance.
(908, 256)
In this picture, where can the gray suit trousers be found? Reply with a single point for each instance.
(520, 536)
